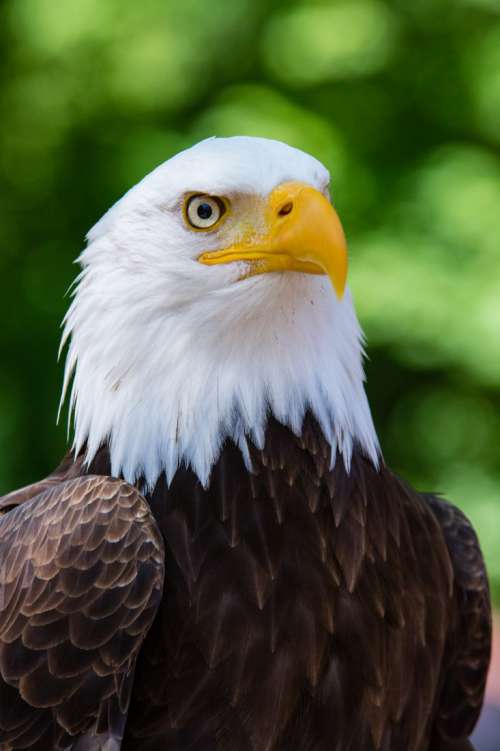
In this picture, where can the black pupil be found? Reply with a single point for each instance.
(204, 211)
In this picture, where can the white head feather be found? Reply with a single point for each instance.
(170, 357)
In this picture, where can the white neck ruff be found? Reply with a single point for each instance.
(166, 384)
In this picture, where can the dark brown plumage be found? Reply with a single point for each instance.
(81, 577)
(304, 609)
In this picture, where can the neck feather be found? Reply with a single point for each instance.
(168, 386)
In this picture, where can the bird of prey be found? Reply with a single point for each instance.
(223, 561)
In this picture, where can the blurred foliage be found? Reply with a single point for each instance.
(401, 101)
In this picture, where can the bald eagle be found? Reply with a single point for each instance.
(223, 561)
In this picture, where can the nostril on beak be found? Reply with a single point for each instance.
(286, 208)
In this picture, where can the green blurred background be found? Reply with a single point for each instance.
(401, 100)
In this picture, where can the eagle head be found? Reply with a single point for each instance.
(212, 295)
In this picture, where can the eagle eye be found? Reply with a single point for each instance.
(203, 212)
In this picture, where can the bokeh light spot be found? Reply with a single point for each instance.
(309, 44)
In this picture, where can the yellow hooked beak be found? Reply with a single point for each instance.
(303, 234)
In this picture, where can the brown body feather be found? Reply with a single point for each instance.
(81, 573)
(305, 609)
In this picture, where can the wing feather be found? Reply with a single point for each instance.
(469, 644)
(81, 578)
